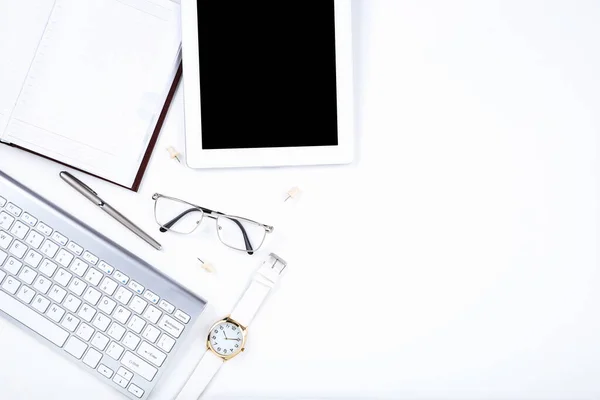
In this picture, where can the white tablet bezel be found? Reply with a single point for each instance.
(197, 157)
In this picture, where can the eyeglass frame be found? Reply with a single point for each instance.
(213, 215)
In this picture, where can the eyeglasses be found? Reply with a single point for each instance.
(182, 217)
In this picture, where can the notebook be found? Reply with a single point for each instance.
(88, 83)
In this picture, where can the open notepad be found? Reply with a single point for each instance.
(87, 83)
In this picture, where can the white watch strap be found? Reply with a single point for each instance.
(205, 371)
(264, 280)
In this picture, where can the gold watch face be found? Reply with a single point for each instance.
(227, 338)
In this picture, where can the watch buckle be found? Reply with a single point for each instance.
(278, 263)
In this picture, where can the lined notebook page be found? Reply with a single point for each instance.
(22, 24)
(96, 84)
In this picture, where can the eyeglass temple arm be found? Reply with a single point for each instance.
(172, 222)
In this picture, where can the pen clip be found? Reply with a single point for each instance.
(92, 191)
(82, 188)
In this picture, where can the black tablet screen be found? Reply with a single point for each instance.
(267, 73)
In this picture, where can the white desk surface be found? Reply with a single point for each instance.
(456, 258)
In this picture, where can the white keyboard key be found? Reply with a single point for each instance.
(75, 347)
(59, 238)
(107, 305)
(34, 239)
(165, 305)
(131, 341)
(14, 210)
(87, 312)
(151, 297)
(78, 267)
(32, 320)
(101, 322)
(48, 268)
(13, 266)
(77, 286)
(75, 248)
(25, 294)
(119, 380)
(18, 249)
(11, 285)
(2, 275)
(152, 314)
(100, 341)
(85, 332)
(136, 287)
(138, 305)
(183, 317)
(29, 219)
(136, 391)
(6, 220)
(2, 201)
(124, 373)
(64, 258)
(55, 313)
(104, 370)
(166, 343)
(92, 296)
(170, 326)
(92, 358)
(19, 229)
(5, 240)
(45, 229)
(27, 275)
(57, 294)
(63, 277)
(139, 366)
(3, 257)
(123, 295)
(115, 350)
(116, 331)
(72, 303)
(70, 322)
(152, 354)
(151, 333)
(33, 258)
(108, 286)
(136, 324)
(42, 284)
(49, 248)
(122, 314)
(89, 257)
(41, 303)
(93, 276)
(121, 277)
(105, 267)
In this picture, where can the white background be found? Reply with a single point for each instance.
(455, 258)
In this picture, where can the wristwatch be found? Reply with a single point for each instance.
(227, 337)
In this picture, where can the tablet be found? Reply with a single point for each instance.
(267, 83)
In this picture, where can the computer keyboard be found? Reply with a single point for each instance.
(90, 299)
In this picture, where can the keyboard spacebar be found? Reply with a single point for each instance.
(32, 320)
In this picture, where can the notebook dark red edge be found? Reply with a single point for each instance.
(146, 160)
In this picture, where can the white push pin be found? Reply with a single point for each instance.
(174, 153)
(208, 267)
(292, 193)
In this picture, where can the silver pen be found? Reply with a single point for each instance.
(92, 196)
